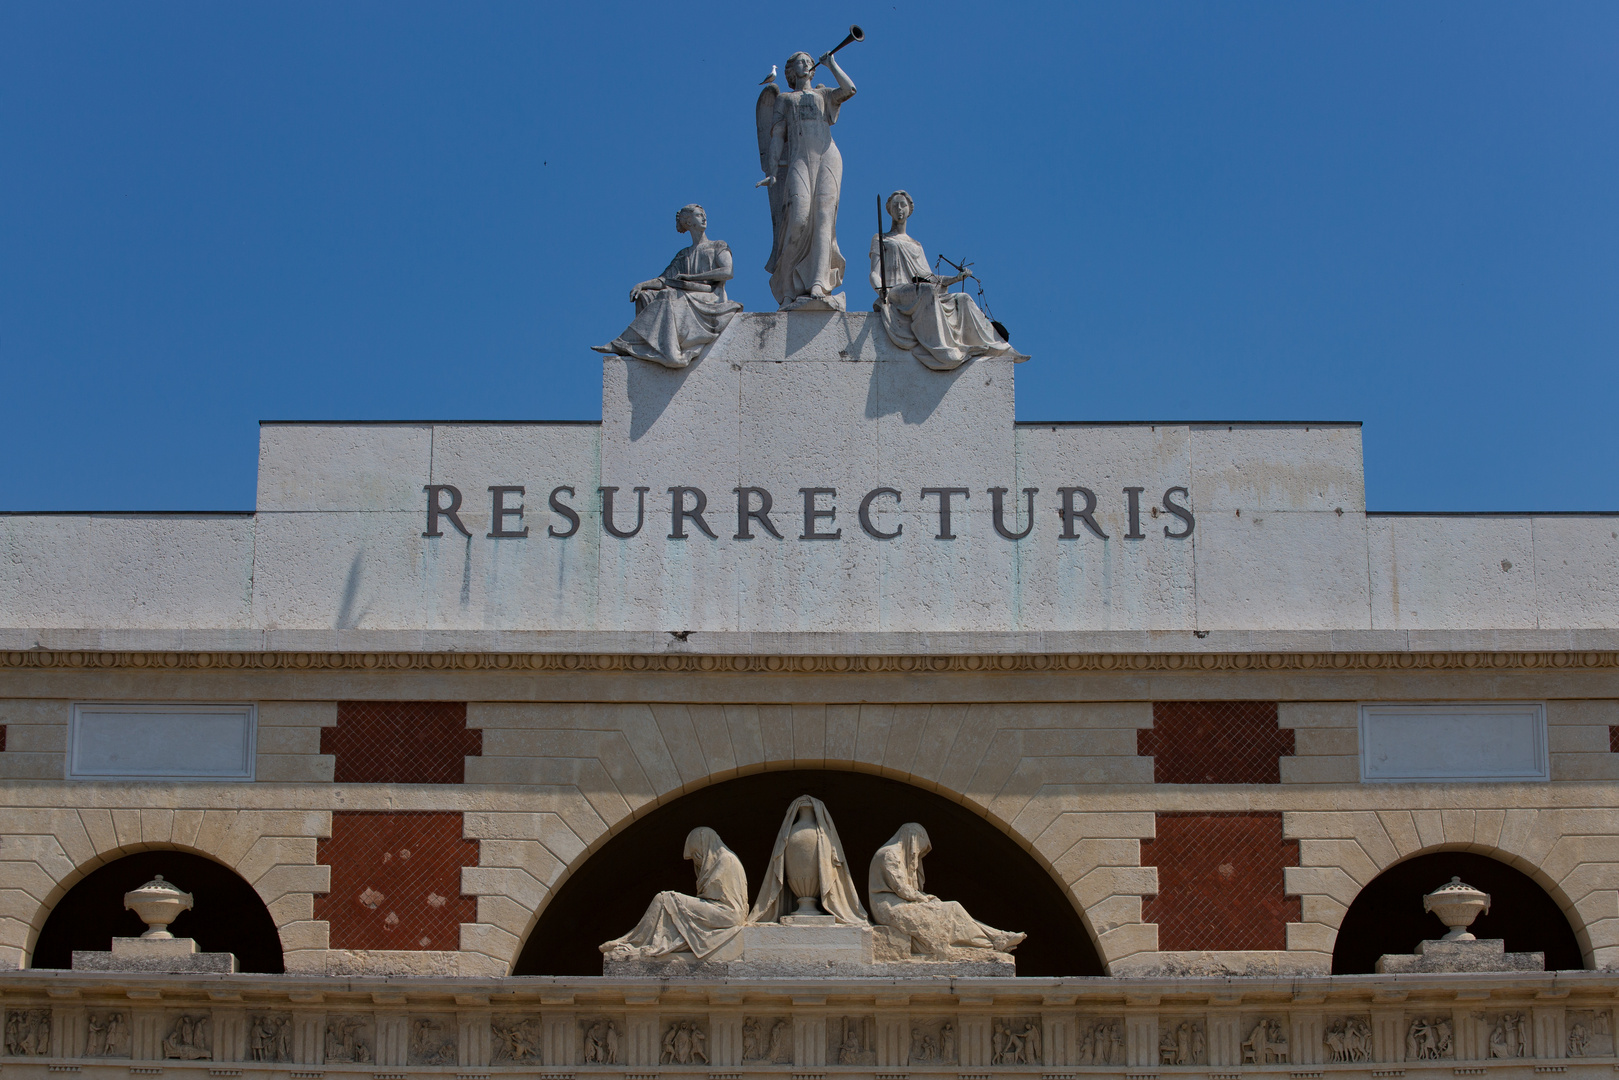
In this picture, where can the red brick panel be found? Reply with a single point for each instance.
(1613, 739)
(1220, 882)
(2, 738)
(396, 879)
(401, 742)
(1215, 742)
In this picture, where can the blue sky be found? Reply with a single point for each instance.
(212, 214)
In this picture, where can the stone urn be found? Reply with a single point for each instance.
(158, 903)
(1457, 905)
(802, 868)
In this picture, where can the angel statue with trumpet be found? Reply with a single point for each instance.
(804, 173)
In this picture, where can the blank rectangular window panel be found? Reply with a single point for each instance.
(1418, 743)
(161, 742)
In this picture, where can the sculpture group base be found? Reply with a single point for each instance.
(833, 302)
(170, 955)
(1486, 954)
(796, 951)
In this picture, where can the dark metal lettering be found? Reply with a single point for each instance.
(997, 497)
(865, 515)
(744, 496)
(567, 512)
(1182, 512)
(1085, 513)
(812, 515)
(607, 511)
(499, 512)
(944, 494)
(679, 513)
(1132, 502)
(435, 510)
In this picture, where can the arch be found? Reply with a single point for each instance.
(229, 915)
(975, 860)
(1387, 917)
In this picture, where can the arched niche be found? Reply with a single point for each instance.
(972, 861)
(1387, 915)
(228, 916)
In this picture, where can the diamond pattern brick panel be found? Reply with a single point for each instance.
(2, 738)
(1613, 740)
(396, 880)
(1215, 742)
(401, 742)
(1220, 881)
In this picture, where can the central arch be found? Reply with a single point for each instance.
(972, 861)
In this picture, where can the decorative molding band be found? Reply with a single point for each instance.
(773, 664)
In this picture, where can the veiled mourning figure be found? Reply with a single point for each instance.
(675, 922)
(804, 173)
(937, 927)
(808, 873)
(940, 328)
(684, 309)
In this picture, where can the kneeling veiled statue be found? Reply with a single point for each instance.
(937, 927)
(684, 310)
(675, 922)
(940, 328)
(808, 873)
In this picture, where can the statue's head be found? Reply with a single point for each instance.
(689, 217)
(799, 67)
(900, 205)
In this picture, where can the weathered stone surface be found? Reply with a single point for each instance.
(775, 951)
(1484, 954)
(171, 955)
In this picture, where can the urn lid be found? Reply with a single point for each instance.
(157, 889)
(1452, 891)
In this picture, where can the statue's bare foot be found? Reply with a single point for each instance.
(608, 349)
(818, 291)
(1006, 942)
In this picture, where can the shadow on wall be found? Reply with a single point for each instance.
(972, 862)
(228, 916)
(1387, 916)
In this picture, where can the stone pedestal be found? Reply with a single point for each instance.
(805, 947)
(176, 955)
(1486, 954)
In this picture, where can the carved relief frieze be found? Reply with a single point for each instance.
(351, 1039)
(1430, 1038)
(1266, 1042)
(683, 1041)
(106, 1033)
(851, 1040)
(269, 1037)
(189, 1038)
(28, 1032)
(1590, 1033)
(767, 1040)
(514, 1040)
(1348, 1038)
(1508, 1033)
(602, 1040)
(432, 1041)
(934, 1041)
(1182, 1040)
(1100, 1041)
(1015, 1040)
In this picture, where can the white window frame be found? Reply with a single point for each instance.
(247, 710)
(1535, 709)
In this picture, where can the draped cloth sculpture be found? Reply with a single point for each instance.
(940, 328)
(808, 866)
(676, 922)
(685, 308)
(804, 173)
(937, 927)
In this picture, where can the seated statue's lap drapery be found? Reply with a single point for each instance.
(675, 922)
(937, 927)
(683, 310)
(940, 328)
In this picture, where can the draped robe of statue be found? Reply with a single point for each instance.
(672, 325)
(675, 922)
(941, 329)
(804, 201)
(937, 927)
(838, 896)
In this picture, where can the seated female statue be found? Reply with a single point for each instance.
(675, 922)
(937, 927)
(940, 328)
(684, 309)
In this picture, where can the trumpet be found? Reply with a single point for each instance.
(855, 34)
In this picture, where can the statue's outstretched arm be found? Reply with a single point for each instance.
(846, 88)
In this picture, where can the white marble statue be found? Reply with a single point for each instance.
(937, 927)
(675, 922)
(808, 873)
(940, 328)
(804, 173)
(683, 309)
